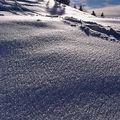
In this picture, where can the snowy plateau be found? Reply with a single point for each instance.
(57, 63)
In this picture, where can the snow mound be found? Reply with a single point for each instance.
(94, 29)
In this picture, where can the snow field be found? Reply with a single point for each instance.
(51, 70)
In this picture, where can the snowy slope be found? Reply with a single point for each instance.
(109, 11)
(58, 65)
(111, 8)
(95, 3)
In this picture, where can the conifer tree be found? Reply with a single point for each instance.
(81, 8)
(93, 13)
(102, 15)
(75, 6)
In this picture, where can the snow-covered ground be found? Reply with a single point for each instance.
(57, 63)
(110, 8)
(109, 11)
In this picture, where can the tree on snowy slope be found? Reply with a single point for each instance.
(81, 8)
(93, 13)
(75, 6)
(102, 15)
(67, 2)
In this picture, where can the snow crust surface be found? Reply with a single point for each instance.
(57, 66)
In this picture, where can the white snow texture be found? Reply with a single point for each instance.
(57, 63)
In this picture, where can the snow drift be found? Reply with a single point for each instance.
(51, 70)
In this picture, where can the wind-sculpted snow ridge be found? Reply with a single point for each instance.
(52, 71)
(94, 29)
(22, 7)
(13, 7)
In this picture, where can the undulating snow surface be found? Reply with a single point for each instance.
(57, 63)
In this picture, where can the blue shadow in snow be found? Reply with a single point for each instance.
(41, 98)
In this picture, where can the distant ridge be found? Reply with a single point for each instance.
(96, 3)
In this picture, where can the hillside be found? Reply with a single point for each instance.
(95, 3)
(110, 11)
(58, 63)
(111, 8)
